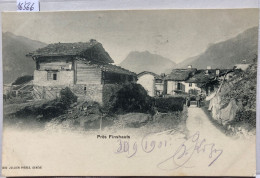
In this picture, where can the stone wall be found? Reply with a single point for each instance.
(63, 78)
(148, 82)
(172, 87)
(88, 92)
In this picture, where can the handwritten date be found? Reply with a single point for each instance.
(181, 156)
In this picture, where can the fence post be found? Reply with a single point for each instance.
(101, 122)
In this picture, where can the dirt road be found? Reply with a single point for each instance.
(198, 121)
(237, 152)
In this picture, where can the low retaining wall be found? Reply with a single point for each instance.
(43, 92)
(88, 92)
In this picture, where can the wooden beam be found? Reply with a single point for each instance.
(74, 64)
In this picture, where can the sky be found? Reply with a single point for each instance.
(174, 34)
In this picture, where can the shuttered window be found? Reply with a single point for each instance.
(51, 75)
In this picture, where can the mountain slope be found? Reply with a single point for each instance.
(146, 61)
(227, 53)
(186, 62)
(15, 63)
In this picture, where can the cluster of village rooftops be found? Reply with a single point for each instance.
(86, 68)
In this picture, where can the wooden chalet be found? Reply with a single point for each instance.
(84, 67)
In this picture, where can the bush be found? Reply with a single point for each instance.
(110, 90)
(23, 79)
(67, 97)
(51, 108)
(246, 117)
(130, 97)
(169, 104)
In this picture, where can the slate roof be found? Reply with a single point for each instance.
(156, 76)
(146, 72)
(112, 68)
(201, 77)
(180, 74)
(92, 51)
(195, 76)
(116, 69)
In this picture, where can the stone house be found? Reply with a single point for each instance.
(83, 67)
(176, 81)
(153, 83)
(208, 79)
(194, 81)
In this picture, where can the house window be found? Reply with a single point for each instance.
(179, 86)
(190, 84)
(54, 76)
(158, 81)
(51, 75)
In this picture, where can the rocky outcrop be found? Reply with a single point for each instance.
(226, 114)
(214, 107)
(234, 104)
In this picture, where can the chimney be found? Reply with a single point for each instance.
(207, 70)
(163, 75)
(189, 66)
(217, 72)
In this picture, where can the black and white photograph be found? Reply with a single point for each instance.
(130, 92)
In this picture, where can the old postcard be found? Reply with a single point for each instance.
(130, 93)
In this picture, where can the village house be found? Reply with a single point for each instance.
(176, 81)
(190, 81)
(83, 67)
(243, 67)
(206, 79)
(7, 89)
(193, 81)
(151, 82)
